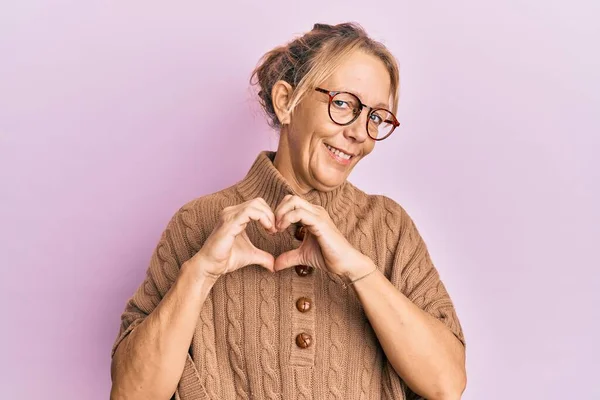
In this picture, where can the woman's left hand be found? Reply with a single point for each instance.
(324, 246)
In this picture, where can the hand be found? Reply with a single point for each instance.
(228, 247)
(324, 246)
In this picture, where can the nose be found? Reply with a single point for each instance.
(357, 130)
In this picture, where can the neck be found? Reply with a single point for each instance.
(266, 181)
(283, 163)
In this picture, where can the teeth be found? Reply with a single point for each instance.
(338, 153)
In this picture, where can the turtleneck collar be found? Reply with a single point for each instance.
(264, 180)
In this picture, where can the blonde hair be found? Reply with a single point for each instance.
(309, 60)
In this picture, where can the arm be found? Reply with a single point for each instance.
(421, 349)
(412, 313)
(159, 322)
(149, 362)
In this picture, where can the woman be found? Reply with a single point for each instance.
(293, 283)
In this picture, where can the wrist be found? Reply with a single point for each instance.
(365, 266)
(195, 273)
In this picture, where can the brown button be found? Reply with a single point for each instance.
(303, 270)
(303, 340)
(300, 233)
(303, 304)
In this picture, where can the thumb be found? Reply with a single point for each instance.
(288, 259)
(262, 258)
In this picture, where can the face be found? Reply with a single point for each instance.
(312, 137)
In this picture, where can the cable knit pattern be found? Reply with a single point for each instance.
(369, 350)
(268, 356)
(235, 332)
(369, 353)
(245, 346)
(303, 391)
(337, 339)
(336, 379)
(206, 347)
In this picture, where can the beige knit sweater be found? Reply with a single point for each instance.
(245, 345)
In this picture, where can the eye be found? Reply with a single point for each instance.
(340, 103)
(376, 119)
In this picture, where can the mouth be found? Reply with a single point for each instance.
(339, 155)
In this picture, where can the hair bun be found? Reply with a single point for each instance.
(322, 27)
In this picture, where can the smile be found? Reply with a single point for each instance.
(338, 155)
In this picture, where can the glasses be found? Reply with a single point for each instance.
(344, 108)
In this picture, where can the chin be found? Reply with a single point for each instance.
(329, 182)
(326, 175)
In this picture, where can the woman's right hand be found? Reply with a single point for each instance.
(228, 247)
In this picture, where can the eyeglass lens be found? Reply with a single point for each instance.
(345, 108)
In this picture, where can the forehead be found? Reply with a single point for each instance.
(364, 75)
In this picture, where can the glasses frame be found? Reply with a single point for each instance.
(361, 105)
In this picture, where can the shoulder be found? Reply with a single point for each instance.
(205, 208)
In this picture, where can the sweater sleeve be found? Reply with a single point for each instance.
(414, 274)
(171, 251)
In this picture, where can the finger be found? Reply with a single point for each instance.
(262, 258)
(288, 259)
(290, 201)
(289, 204)
(238, 222)
(239, 214)
(255, 202)
(261, 203)
(267, 219)
(258, 202)
(294, 216)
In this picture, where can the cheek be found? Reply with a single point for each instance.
(316, 120)
(369, 148)
(324, 127)
(310, 131)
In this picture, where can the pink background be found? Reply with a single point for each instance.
(114, 114)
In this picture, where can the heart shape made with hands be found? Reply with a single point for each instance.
(323, 245)
(293, 210)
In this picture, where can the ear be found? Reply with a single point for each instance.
(281, 94)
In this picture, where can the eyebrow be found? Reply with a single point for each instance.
(360, 96)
